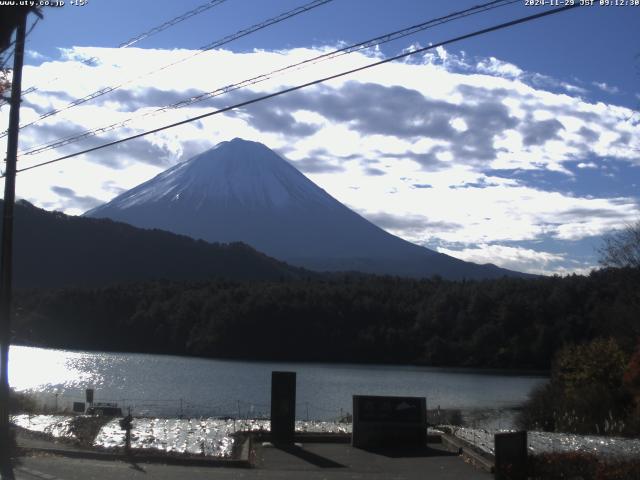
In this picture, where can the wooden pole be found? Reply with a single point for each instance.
(7, 241)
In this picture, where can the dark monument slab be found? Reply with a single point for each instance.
(389, 421)
(283, 406)
(511, 455)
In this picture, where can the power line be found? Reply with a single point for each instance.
(308, 84)
(169, 23)
(267, 76)
(261, 78)
(223, 41)
(5, 60)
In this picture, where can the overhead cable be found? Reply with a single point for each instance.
(267, 76)
(314, 82)
(210, 46)
(169, 23)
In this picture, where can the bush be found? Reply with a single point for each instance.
(585, 395)
(632, 383)
(21, 403)
(552, 466)
(539, 411)
(445, 417)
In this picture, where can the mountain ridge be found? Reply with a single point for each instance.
(243, 191)
(52, 249)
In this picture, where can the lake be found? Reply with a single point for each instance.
(170, 386)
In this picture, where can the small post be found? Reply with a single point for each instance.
(283, 407)
(127, 439)
(126, 424)
(88, 395)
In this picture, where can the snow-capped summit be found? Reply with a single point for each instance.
(234, 172)
(243, 191)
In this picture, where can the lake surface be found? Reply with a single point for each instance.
(162, 385)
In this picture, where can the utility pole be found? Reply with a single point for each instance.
(7, 245)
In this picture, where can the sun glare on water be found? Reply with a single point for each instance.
(38, 369)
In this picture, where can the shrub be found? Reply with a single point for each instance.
(538, 412)
(552, 466)
(21, 402)
(445, 417)
(586, 393)
(631, 381)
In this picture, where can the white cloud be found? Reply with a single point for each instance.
(467, 117)
(605, 87)
(573, 88)
(514, 258)
(583, 165)
(493, 66)
(35, 55)
(459, 124)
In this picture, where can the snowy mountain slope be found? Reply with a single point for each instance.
(243, 191)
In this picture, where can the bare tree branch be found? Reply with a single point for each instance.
(622, 249)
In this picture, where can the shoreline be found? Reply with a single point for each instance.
(206, 438)
(535, 373)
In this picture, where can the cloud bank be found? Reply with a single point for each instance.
(427, 149)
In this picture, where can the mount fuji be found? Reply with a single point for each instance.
(243, 191)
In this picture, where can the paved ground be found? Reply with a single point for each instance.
(330, 460)
(36, 440)
(44, 467)
(313, 461)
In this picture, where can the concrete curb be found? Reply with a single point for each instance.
(307, 437)
(322, 438)
(138, 456)
(482, 460)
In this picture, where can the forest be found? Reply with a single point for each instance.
(510, 323)
(98, 252)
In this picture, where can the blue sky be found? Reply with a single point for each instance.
(520, 147)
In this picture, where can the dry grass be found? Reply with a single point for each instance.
(557, 466)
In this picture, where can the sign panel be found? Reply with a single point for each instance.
(283, 406)
(78, 407)
(389, 421)
(511, 455)
(390, 409)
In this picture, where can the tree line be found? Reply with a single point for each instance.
(505, 323)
